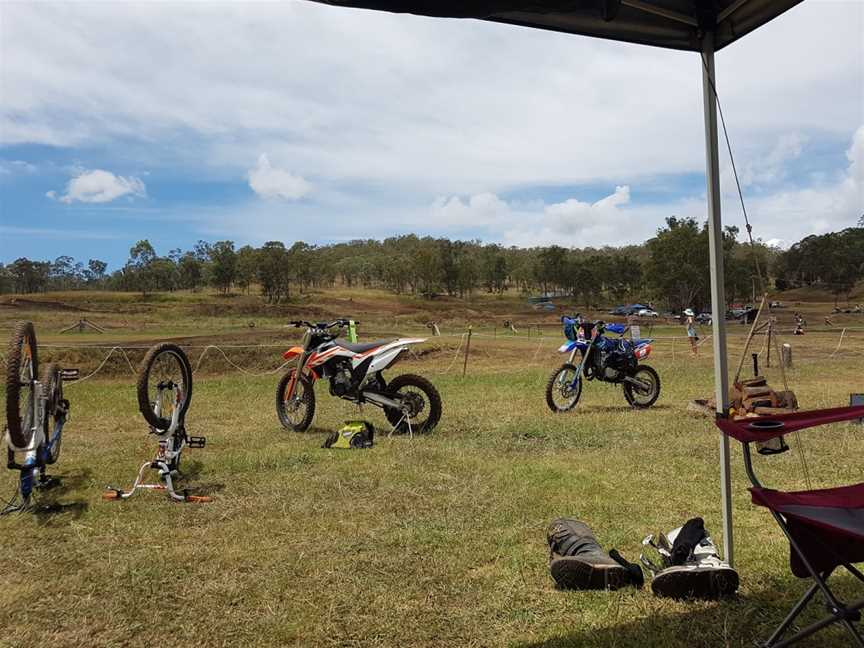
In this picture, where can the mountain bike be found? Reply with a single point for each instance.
(36, 412)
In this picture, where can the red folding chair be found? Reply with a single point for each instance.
(825, 528)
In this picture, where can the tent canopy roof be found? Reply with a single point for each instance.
(675, 24)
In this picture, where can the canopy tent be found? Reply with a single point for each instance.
(675, 24)
(703, 26)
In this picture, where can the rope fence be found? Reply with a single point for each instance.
(848, 346)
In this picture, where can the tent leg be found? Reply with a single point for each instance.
(718, 297)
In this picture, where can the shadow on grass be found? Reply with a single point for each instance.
(189, 474)
(621, 408)
(744, 620)
(50, 511)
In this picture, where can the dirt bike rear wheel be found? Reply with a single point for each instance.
(421, 396)
(298, 414)
(642, 399)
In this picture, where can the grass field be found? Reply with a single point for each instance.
(435, 541)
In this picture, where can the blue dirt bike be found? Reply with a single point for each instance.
(608, 360)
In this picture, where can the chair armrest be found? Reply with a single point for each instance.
(763, 428)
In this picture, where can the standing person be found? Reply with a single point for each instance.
(690, 323)
(799, 324)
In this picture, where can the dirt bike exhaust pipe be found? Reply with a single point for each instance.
(381, 400)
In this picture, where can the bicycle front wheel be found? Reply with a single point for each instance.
(164, 385)
(22, 368)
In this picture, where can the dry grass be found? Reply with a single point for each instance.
(436, 541)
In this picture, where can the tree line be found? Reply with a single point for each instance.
(671, 268)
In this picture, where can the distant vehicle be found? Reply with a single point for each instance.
(647, 312)
(543, 306)
(631, 309)
(539, 300)
(704, 318)
(776, 304)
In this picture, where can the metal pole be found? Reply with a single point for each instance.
(718, 297)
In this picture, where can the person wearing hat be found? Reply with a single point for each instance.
(690, 322)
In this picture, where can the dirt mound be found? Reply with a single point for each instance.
(37, 304)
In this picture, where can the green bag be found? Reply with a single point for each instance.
(354, 434)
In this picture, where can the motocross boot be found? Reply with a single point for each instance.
(577, 561)
(685, 564)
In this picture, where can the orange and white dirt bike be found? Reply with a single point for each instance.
(355, 373)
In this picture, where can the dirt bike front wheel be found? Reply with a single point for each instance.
(646, 393)
(564, 388)
(22, 369)
(165, 368)
(422, 402)
(297, 413)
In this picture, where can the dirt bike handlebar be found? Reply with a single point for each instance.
(321, 325)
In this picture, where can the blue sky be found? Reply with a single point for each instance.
(296, 121)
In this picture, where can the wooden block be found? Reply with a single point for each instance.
(762, 411)
(750, 392)
(750, 404)
(787, 399)
(754, 382)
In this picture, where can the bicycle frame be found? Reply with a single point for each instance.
(171, 444)
(37, 452)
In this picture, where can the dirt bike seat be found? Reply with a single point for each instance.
(360, 348)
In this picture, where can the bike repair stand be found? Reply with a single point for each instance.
(167, 460)
(36, 458)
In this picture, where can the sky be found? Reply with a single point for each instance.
(293, 121)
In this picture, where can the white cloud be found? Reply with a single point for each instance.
(480, 210)
(378, 106)
(270, 182)
(99, 186)
(454, 106)
(764, 168)
(570, 223)
(16, 166)
(830, 205)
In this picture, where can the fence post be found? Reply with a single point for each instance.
(786, 358)
(467, 352)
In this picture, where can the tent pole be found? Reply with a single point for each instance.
(718, 298)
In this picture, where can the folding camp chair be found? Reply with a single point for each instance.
(825, 528)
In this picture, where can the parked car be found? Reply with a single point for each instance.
(630, 309)
(544, 306)
(647, 312)
(704, 318)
